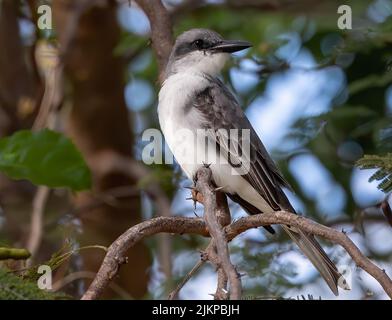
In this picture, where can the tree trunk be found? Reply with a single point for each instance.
(19, 93)
(99, 121)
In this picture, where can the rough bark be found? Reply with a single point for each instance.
(161, 31)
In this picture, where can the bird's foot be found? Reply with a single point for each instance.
(196, 196)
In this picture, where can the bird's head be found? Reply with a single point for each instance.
(202, 50)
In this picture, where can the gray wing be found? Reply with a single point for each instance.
(220, 107)
(221, 111)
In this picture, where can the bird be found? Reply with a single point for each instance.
(197, 113)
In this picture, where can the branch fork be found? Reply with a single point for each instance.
(217, 224)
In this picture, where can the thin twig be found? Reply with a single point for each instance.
(68, 279)
(174, 294)
(51, 67)
(162, 43)
(35, 236)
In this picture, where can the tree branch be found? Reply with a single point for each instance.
(338, 237)
(116, 252)
(36, 226)
(204, 186)
(14, 253)
(161, 31)
(162, 42)
(174, 294)
(180, 225)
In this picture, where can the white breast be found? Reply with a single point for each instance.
(179, 126)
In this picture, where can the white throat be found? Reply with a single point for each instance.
(199, 62)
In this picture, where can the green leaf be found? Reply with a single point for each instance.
(45, 158)
(383, 164)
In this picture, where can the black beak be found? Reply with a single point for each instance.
(231, 46)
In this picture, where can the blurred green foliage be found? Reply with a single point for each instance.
(45, 158)
(13, 287)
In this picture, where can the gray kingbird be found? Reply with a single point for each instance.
(192, 99)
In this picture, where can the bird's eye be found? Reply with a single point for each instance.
(199, 44)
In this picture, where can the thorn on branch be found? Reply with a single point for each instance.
(206, 165)
(203, 256)
(221, 294)
(121, 260)
(197, 197)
